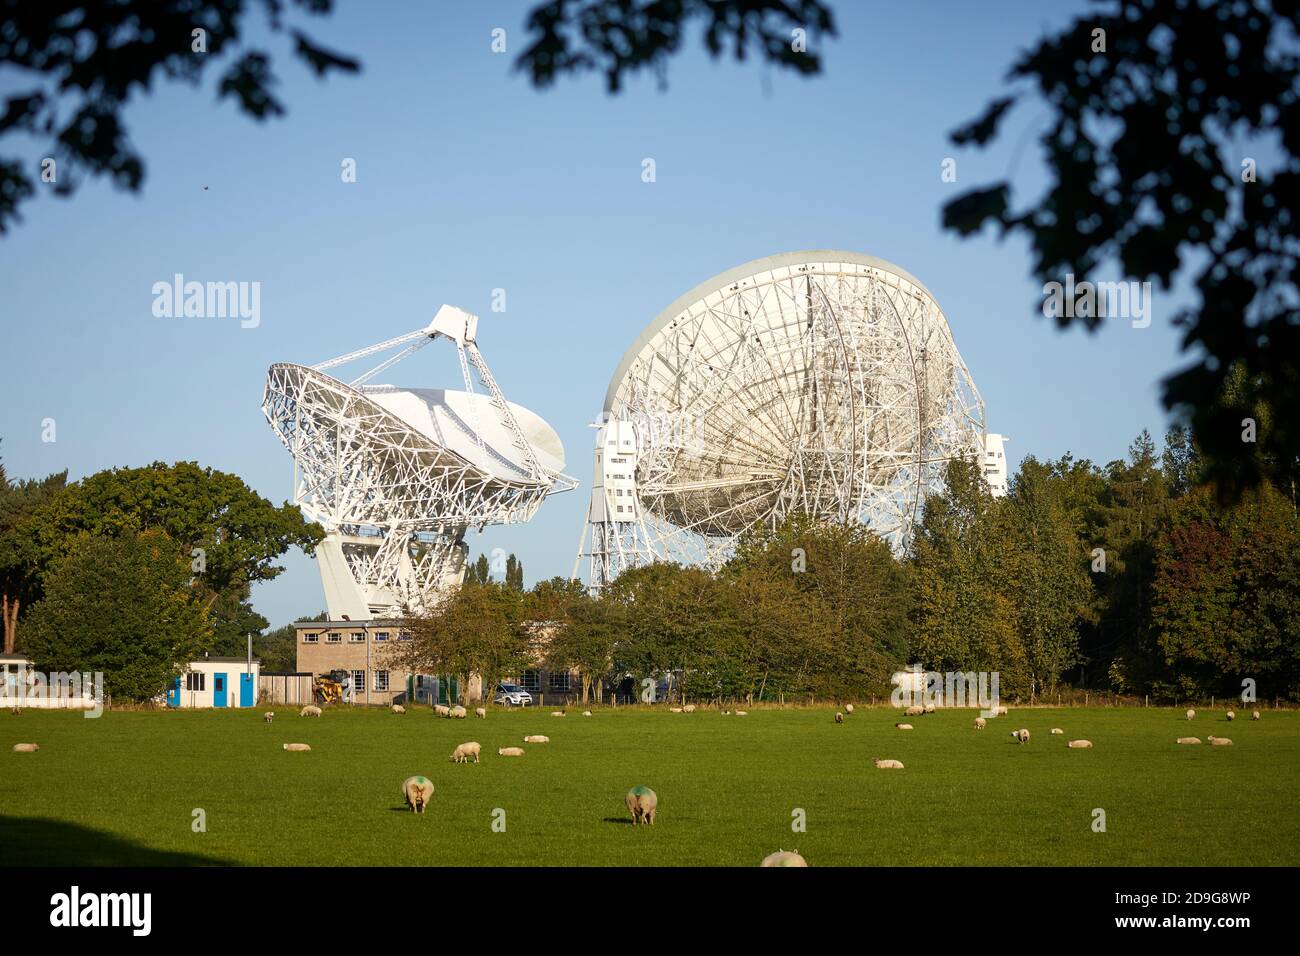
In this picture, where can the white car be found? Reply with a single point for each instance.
(512, 695)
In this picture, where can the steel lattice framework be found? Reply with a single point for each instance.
(825, 382)
(395, 500)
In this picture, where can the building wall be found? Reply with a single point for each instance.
(359, 649)
(198, 685)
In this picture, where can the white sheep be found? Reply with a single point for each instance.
(1002, 711)
(1230, 715)
(1079, 744)
(784, 858)
(675, 710)
(848, 709)
(980, 723)
(1254, 715)
(510, 751)
(557, 713)
(930, 708)
(537, 739)
(418, 791)
(457, 712)
(642, 803)
(26, 748)
(296, 748)
(688, 709)
(888, 764)
(1219, 741)
(742, 713)
(269, 716)
(1057, 730)
(464, 751)
(839, 718)
(586, 713)
(311, 710)
(916, 710)
(442, 710)
(398, 709)
(480, 712)
(1021, 735)
(903, 726)
(1190, 713)
(1189, 740)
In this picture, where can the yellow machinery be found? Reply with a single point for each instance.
(329, 687)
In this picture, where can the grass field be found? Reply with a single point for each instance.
(121, 789)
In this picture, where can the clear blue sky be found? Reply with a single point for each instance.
(469, 180)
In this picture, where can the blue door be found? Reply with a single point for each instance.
(245, 690)
(218, 690)
(174, 693)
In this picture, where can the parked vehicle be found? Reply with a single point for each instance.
(512, 695)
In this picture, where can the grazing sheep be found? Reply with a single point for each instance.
(510, 751)
(848, 708)
(1190, 713)
(398, 709)
(980, 723)
(675, 710)
(888, 764)
(442, 710)
(269, 716)
(688, 709)
(1219, 741)
(642, 803)
(537, 739)
(26, 748)
(463, 752)
(839, 718)
(1002, 711)
(457, 712)
(16, 711)
(903, 726)
(1057, 730)
(557, 713)
(784, 858)
(914, 711)
(1254, 715)
(311, 710)
(1189, 740)
(742, 713)
(296, 748)
(586, 713)
(930, 708)
(1230, 715)
(480, 712)
(1021, 735)
(1079, 744)
(418, 792)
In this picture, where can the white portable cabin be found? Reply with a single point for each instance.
(216, 682)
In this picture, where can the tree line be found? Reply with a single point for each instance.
(1134, 577)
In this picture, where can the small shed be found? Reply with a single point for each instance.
(216, 682)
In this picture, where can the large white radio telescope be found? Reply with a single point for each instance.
(825, 382)
(396, 476)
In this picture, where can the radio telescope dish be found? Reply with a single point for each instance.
(396, 476)
(825, 382)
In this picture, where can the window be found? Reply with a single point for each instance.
(558, 682)
(381, 681)
(358, 682)
(196, 680)
(403, 636)
(381, 637)
(334, 637)
(531, 681)
(311, 638)
(357, 637)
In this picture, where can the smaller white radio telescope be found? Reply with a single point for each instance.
(396, 476)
